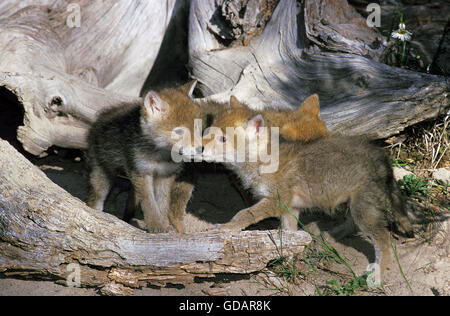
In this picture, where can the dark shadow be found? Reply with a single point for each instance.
(170, 67)
(326, 223)
(63, 166)
(225, 35)
(302, 38)
(440, 64)
(216, 197)
(11, 117)
(223, 278)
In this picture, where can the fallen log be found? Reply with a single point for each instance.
(43, 229)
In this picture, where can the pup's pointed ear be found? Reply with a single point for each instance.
(234, 103)
(189, 88)
(310, 106)
(255, 125)
(154, 106)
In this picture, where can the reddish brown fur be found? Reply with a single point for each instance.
(302, 125)
(182, 111)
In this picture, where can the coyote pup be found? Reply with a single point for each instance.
(323, 173)
(137, 140)
(302, 125)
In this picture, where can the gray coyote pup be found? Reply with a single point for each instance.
(137, 140)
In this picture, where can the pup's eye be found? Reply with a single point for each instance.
(222, 139)
(179, 131)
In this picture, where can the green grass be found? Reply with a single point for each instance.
(287, 269)
(415, 187)
(327, 249)
(402, 162)
(349, 288)
(394, 249)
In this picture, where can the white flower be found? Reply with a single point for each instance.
(402, 33)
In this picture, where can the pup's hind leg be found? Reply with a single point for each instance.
(99, 186)
(368, 214)
(180, 195)
(155, 217)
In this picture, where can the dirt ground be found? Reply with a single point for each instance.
(425, 260)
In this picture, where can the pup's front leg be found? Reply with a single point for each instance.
(179, 197)
(265, 208)
(155, 217)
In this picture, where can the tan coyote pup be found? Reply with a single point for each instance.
(325, 173)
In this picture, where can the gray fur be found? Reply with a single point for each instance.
(119, 145)
(136, 140)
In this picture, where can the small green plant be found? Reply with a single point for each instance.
(287, 269)
(415, 187)
(402, 162)
(348, 288)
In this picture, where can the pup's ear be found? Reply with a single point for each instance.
(154, 106)
(255, 125)
(189, 87)
(234, 103)
(310, 106)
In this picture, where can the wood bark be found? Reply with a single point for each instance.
(43, 229)
(308, 47)
(268, 53)
(63, 75)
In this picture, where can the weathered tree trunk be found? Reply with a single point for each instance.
(43, 229)
(308, 47)
(63, 74)
(268, 53)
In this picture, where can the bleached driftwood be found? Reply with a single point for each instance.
(314, 46)
(63, 74)
(43, 229)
